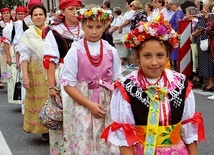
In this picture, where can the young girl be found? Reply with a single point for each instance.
(90, 68)
(153, 108)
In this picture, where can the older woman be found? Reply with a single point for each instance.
(178, 15)
(118, 19)
(57, 43)
(10, 46)
(139, 14)
(159, 8)
(148, 9)
(6, 20)
(34, 76)
(205, 63)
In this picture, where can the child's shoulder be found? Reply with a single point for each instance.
(131, 75)
(107, 46)
(175, 77)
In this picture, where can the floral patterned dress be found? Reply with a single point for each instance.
(83, 130)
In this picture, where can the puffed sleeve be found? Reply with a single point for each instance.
(50, 48)
(121, 132)
(117, 70)
(189, 130)
(7, 33)
(25, 52)
(69, 74)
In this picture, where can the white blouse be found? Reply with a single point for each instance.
(51, 47)
(70, 69)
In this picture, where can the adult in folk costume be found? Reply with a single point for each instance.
(10, 45)
(34, 75)
(21, 26)
(6, 19)
(58, 40)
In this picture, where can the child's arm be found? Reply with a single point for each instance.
(192, 148)
(96, 109)
(126, 151)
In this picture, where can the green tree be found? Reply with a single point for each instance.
(10, 3)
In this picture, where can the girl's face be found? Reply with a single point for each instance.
(69, 14)
(38, 18)
(152, 58)
(93, 29)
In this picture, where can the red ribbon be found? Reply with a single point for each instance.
(123, 91)
(2, 39)
(128, 131)
(46, 61)
(197, 119)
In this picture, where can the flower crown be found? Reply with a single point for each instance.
(159, 29)
(94, 13)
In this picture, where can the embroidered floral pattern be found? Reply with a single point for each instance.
(172, 135)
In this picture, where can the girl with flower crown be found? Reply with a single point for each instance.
(153, 108)
(90, 68)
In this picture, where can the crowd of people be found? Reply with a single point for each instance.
(75, 54)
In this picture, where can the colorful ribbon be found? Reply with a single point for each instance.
(129, 132)
(197, 119)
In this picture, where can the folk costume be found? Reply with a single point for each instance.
(37, 95)
(58, 40)
(80, 76)
(91, 67)
(154, 116)
(11, 35)
(139, 113)
(3, 63)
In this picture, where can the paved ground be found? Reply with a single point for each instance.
(13, 140)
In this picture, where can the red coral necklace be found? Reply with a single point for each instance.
(94, 61)
(144, 82)
(73, 34)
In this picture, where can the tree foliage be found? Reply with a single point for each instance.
(10, 3)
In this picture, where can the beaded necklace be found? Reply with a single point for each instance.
(94, 61)
(73, 34)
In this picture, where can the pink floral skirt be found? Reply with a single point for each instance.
(178, 149)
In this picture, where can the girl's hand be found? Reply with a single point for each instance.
(18, 65)
(97, 110)
(53, 94)
(9, 61)
(26, 83)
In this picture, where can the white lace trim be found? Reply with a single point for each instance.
(175, 87)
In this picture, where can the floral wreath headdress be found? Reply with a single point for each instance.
(159, 29)
(93, 13)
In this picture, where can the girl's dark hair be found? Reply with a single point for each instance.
(129, 1)
(38, 6)
(107, 3)
(165, 44)
(162, 2)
